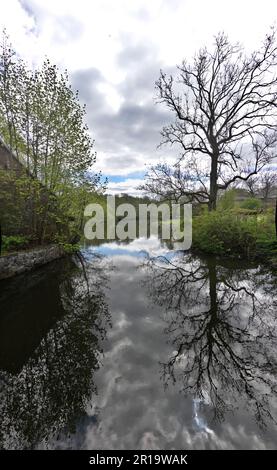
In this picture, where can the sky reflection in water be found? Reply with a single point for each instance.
(188, 361)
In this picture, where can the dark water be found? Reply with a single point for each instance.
(140, 347)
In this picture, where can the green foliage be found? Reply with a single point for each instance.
(227, 234)
(42, 121)
(70, 248)
(14, 243)
(251, 203)
(227, 200)
(22, 206)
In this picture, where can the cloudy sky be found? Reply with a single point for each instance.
(114, 50)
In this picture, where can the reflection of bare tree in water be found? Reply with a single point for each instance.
(53, 388)
(222, 324)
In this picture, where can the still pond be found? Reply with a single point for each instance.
(139, 346)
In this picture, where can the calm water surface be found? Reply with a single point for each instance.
(138, 346)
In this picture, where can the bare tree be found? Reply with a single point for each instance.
(225, 108)
(252, 185)
(173, 183)
(268, 182)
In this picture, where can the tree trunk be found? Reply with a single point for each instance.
(276, 218)
(213, 184)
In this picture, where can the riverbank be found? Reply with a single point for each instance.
(23, 261)
(236, 235)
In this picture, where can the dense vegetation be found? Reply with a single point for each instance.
(41, 120)
(236, 232)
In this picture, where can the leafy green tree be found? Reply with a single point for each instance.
(43, 122)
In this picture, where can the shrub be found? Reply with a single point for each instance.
(224, 233)
(227, 200)
(251, 203)
(14, 242)
(70, 248)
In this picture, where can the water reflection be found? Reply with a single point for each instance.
(207, 327)
(221, 323)
(55, 320)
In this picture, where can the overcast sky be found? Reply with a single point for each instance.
(114, 49)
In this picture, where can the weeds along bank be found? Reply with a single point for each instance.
(239, 232)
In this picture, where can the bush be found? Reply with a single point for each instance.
(70, 248)
(251, 203)
(14, 242)
(223, 233)
(227, 200)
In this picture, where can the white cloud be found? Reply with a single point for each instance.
(177, 28)
(129, 186)
(127, 42)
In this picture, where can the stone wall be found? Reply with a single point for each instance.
(17, 263)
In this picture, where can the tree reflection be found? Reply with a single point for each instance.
(221, 321)
(54, 386)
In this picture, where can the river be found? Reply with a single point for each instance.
(138, 346)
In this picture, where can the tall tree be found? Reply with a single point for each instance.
(224, 105)
(43, 122)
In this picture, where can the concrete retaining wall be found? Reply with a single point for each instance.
(17, 263)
